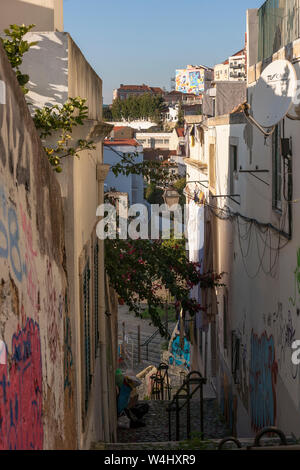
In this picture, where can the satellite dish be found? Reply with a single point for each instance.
(273, 94)
(294, 112)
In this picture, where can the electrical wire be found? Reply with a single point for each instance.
(263, 234)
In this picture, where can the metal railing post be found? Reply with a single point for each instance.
(169, 413)
(139, 344)
(201, 411)
(177, 420)
(188, 411)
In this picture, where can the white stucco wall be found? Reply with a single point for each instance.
(133, 185)
(47, 15)
(263, 303)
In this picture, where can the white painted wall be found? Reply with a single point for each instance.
(138, 125)
(154, 139)
(47, 15)
(263, 305)
(133, 185)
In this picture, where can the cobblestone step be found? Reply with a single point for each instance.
(212, 444)
(157, 429)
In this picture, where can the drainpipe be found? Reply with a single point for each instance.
(102, 171)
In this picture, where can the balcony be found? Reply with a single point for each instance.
(278, 26)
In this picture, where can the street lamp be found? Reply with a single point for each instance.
(171, 197)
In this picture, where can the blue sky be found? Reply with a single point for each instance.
(144, 41)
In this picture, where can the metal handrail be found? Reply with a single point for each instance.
(199, 381)
(159, 381)
(151, 338)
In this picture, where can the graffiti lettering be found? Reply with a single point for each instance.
(181, 357)
(21, 396)
(263, 379)
(9, 238)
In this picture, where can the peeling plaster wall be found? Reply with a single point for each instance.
(36, 363)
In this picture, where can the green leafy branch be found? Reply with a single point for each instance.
(153, 171)
(15, 47)
(63, 118)
(139, 269)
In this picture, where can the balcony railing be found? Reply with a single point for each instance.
(278, 26)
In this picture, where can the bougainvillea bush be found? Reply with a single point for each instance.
(139, 269)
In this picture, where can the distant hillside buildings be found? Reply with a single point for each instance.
(125, 91)
(233, 68)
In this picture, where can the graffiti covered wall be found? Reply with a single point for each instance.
(263, 379)
(36, 365)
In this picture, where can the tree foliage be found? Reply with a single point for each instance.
(180, 185)
(153, 171)
(15, 47)
(146, 106)
(107, 114)
(180, 117)
(139, 269)
(62, 119)
(153, 194)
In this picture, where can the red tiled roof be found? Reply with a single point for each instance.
(141, 88)
(117, 128)
(241, 52)
(156, 89)
(120, 142)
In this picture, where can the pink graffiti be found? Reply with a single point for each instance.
(31, 271)
(21, 398)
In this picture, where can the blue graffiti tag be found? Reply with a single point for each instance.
(263, 378)
(180, 356)
(9, 238)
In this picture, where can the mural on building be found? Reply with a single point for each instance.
(263, 378)
(180, 356)
(190, 80)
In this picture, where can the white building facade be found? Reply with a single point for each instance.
(133, 185)
(251, 204)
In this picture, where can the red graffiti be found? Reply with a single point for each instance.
(21, 398)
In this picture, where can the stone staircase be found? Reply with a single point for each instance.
(155, 435)
(150, 355)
